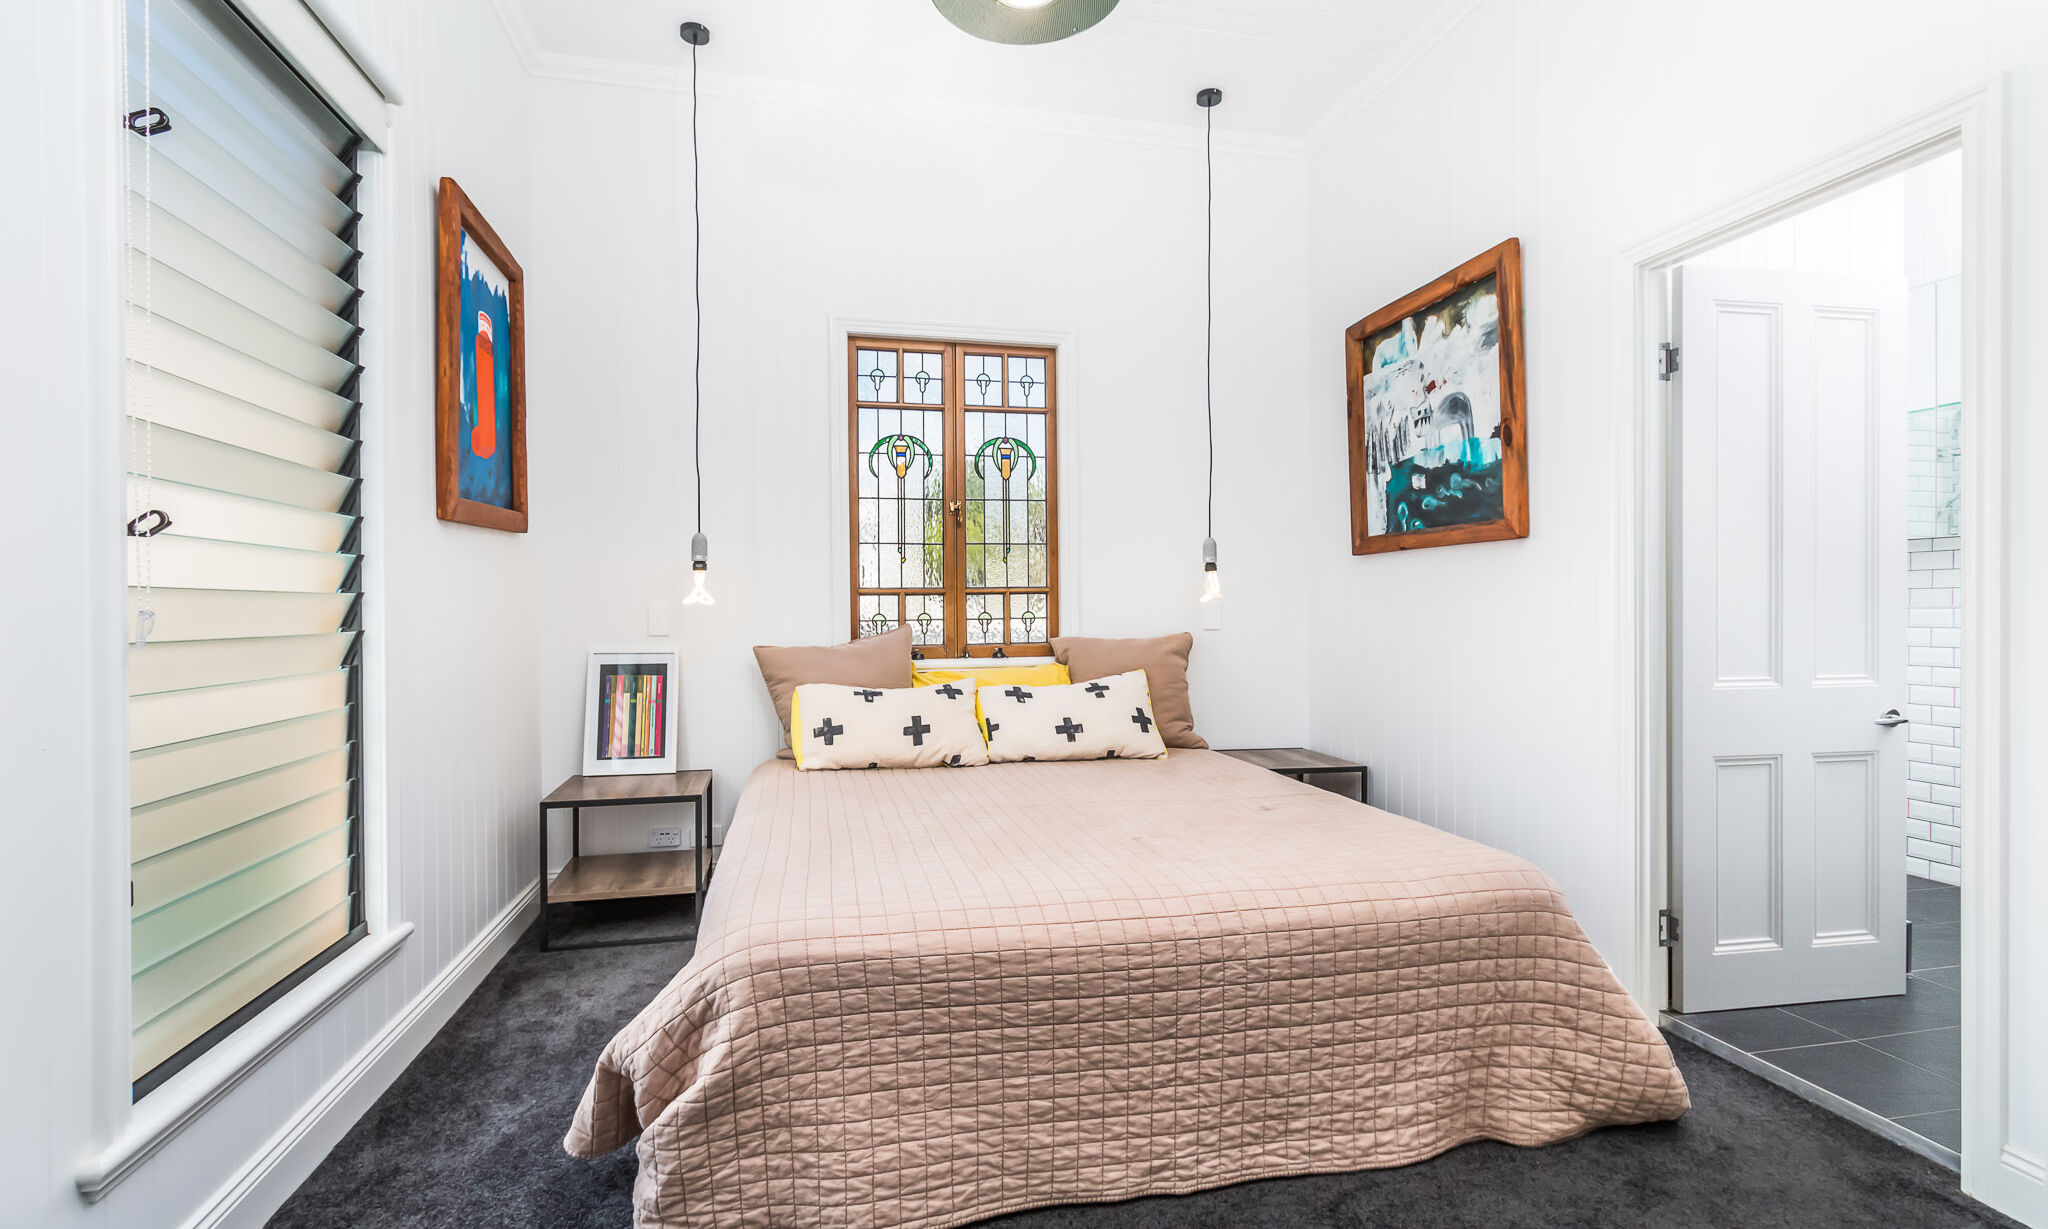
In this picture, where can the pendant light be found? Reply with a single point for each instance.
(1212, 582)
(696, 34)
(1024, 21)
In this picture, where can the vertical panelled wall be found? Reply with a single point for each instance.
(1501, 714)
(1484, 683)
(449, 625)
(813, 214)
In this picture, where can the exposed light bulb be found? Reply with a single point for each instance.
(701, 596)
(1212, 582)
(700, 572)
(1025, 4)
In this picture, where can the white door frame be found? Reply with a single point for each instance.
(1974, 122)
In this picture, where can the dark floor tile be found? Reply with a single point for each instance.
(1938, 1050)
(1759, 1028)
(1876, 1081)
(1951, 977)
(1924, 1005)
(1944, 1128)
(1936, 905)
(1937, 945)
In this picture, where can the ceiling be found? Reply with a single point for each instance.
(1285, 65)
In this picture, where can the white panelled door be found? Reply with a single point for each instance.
(1789, 875)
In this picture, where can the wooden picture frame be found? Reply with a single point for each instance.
(1426, 407)
(479, 457)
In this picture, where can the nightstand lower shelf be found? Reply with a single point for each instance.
(625, 876)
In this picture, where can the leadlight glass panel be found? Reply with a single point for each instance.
(1027, 618)
(985, 618)
(1027, 382)
(1006, 499)
(926, 614)
(902, 498)
(879, 613)
(983, 382)
(876, 375)
(924, 378)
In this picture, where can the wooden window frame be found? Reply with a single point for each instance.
(953, 412)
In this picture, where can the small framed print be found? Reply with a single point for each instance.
(629, 714)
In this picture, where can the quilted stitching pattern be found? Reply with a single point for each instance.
(923, 999)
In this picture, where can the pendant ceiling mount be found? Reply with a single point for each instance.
(1023, 21)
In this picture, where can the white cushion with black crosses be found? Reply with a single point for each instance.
(885, 727)
(1108, 718)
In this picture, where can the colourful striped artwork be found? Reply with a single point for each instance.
(631, 712)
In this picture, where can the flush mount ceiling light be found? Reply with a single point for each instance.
(1024, 21)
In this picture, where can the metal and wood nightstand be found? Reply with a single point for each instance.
(1300, 763)
(627, 876)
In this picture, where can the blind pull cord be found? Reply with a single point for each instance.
(148, 521)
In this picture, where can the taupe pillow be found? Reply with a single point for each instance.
(875, 661)
(1164, 659)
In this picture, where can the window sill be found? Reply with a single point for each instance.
(156, 1119)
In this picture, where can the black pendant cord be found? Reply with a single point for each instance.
(1209, 290)
(697, 292)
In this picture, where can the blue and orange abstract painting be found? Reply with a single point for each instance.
(483, 441)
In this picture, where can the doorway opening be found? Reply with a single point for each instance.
(1816, 653)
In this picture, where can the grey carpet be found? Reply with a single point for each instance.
(469, 1137)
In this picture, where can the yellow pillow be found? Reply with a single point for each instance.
(1050, 674)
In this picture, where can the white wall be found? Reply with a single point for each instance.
(1583, 128)
(455, 604)
(813, 215)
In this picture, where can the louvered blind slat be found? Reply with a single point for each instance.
(307, 220)
(232, 614)
(201, 512)
(182, 456)
(203, 310)
(241, 419)
(189, 916)
(162, 1038)
(161, 772)
(307, 309)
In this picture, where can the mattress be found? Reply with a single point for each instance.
(924, 997)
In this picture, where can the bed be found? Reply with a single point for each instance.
(924, 997)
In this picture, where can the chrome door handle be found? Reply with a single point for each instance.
(1891, 718)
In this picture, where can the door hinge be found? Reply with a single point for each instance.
(1667, 360)
(1667, 928)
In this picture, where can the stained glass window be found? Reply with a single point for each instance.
(955, 515)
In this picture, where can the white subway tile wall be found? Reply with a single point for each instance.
(1934, 680)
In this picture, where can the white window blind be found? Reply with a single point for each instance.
(242, 420)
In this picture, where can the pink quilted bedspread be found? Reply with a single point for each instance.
(924, 997)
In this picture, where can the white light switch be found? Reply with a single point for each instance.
(660, 619)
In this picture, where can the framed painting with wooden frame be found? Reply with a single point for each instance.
(480, 371)
(1438, 450)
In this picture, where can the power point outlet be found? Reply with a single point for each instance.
(665, 838)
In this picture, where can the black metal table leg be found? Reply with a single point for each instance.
(543, 879)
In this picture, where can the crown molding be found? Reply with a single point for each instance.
(595, 70)
(1413, 48)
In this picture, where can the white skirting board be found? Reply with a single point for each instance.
(261, 1186)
